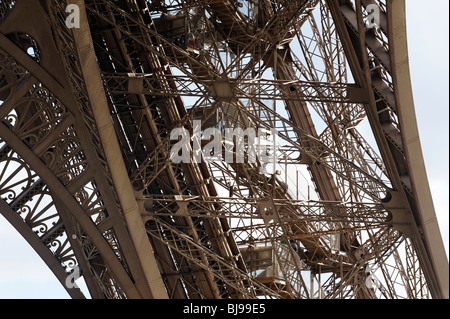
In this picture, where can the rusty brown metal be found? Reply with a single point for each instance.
(89, 110)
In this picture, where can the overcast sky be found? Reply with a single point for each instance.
(24, 275)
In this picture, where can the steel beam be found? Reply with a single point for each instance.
(113, 156)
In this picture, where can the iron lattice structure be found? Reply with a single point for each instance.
(86, 174)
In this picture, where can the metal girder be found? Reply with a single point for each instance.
(40, 247)
(172, 180)
(73, 165)
(87, 118)
(112, 151)
(245, 89)
(70, 203)
(384, 135)
(413, 152)
(230, 207)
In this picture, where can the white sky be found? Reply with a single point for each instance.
(24, 275)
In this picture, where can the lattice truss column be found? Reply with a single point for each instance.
(55, 182)
(335, 214)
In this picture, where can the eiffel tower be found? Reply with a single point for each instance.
(329, 201)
